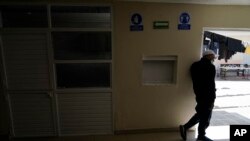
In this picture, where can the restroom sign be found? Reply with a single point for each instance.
(136, 22)
(184, 21)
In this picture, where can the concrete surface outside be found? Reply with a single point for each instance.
(232, 107)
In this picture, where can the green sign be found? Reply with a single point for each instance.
(161, 25)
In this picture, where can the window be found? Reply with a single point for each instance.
(23, 16)
(81, 16)
(58, 56)
(83, 75)
(82, 45)
(82, 57)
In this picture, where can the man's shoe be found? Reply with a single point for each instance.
(203, 138)
(183, 132)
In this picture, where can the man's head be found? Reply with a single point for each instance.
(209, 54)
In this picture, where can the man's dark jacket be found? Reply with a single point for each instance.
(203, 77)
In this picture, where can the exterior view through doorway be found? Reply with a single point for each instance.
(232, 105)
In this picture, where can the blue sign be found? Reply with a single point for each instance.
(184, 20)
(136, 22)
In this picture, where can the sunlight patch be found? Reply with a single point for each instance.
(216, 132)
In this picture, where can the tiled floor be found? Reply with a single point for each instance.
(163, 136)
(232, 106)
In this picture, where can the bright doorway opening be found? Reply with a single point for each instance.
(232, 105)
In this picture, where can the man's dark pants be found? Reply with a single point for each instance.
(203, 115)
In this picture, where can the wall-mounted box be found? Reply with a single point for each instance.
(159, 70)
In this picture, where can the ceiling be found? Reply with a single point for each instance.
(213, 2)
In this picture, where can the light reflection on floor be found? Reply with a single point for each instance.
(218, 132)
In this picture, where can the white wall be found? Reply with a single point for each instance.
(166, 106)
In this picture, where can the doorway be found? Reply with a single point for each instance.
(232, 78)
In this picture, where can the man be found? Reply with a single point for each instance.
(203, 78)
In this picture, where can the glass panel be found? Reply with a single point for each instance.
(81, 16)
(83, 75)
(81, 45)
(24, 16)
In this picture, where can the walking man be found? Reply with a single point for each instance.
(203, 78)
